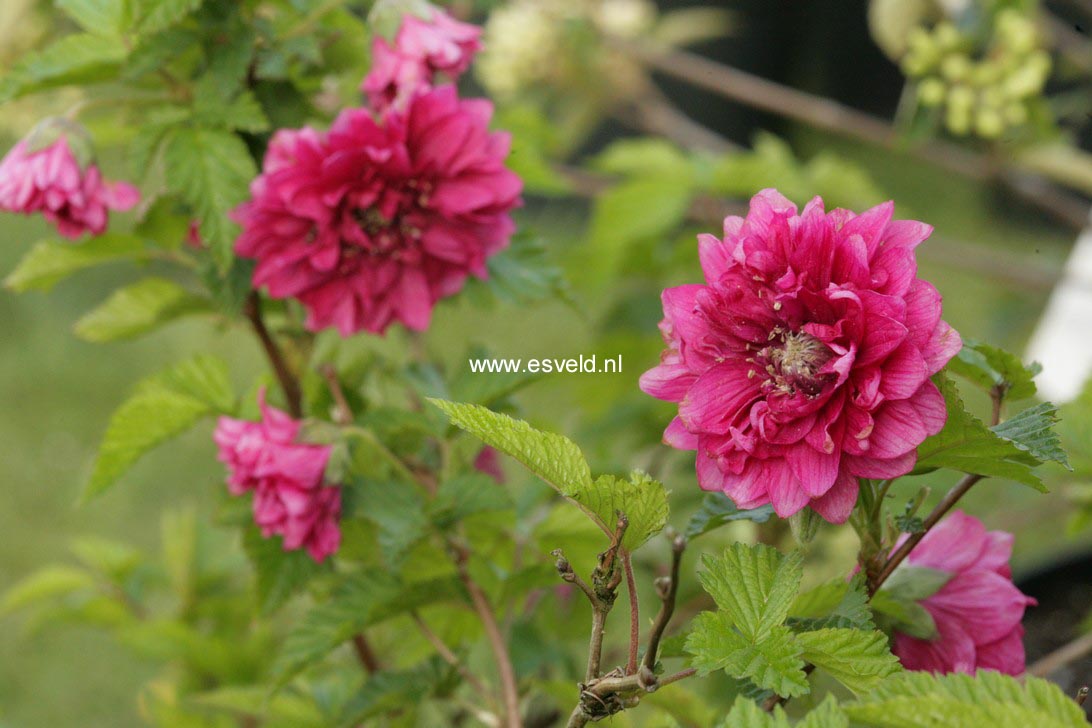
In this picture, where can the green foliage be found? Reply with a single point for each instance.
(559, 462)
(102, 17)
(1032, 430)
(718, 510)
(278, 574)
(856, 658)
(79, 58)
(522, 273)
(138, 309)
(967, 444)
(153, 16)
(918, 699)
(464, 496)
(161, 407)
(359, 601)
(391, 690)
(995, 369)
(756, 589)
(51, 261)
(45, 584)
(211, 170)
(837, 603)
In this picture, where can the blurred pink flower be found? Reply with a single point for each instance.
(286, 477)
(422, 48)
(803, 362)
(45, 173)
(488, 462)
(978, 611)
(376, 221)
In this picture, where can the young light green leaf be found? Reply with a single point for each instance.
(919, 699)
(47, 583)
(161, 407)
(554, 458)
(858, 659)
(82, 57)
(102, 17)
(992, 368)
(907, 617)
(642, 499)
(1032, 430)
(137, 309)
(966, 444)
(211, 169)
(559, 462)
(914, 583)
(836, 603)
(773, 663)
(755, 585)
(650, 156)
(827, 715)
(717, 510)
(51, 261)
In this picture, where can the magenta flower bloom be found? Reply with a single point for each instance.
(376, 221)
(422, 48)
(803, 362)
(45, 173)
(286, 478)
(978, 611)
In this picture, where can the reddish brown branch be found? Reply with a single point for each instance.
(289, 384)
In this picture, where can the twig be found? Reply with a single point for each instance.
(509, 689)
(450, 657)
(946, 504)
(1062, 656)
(833, 117)
(343, 413)
(668, 588)
(654, 113)
(366, 655)
(1082, 695)
(613, 693)
(289, 384)
(634, 614)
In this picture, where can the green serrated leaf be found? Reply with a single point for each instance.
(718, 510)
(398, 510)
(102, 17)
(465, 496)
(45, 584)
(559, 462)
(773, 663)
(858, 659)
(836, 603)
(278, 574)
(919, 699)
(524, 273)
(827, 715)
(137, 309)
(359, 601)
(990, 367)
(641, 498)
(152, 16)
(51, 261)
(161, 407)
(1032, 430)
(244, 112)
(966, 444)
(755, 585)
(211, 169)
(747, 713)
(79, 58)
(391, 690)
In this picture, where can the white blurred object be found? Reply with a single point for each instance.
(1062, 341)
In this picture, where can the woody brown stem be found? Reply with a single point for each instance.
(289, 383)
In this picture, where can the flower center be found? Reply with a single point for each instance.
(792, 362)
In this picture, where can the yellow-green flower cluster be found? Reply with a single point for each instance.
(534, 42)
(982, 92)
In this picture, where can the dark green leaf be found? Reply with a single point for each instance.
(279, 575)
(718, 510)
